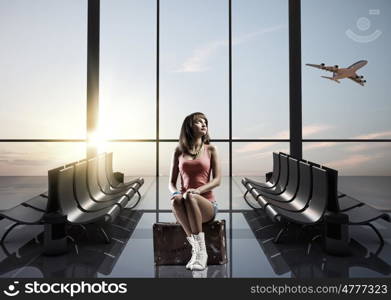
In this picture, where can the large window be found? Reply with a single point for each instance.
(127, 69)
(174, 58)
(256, 158)
(352, 159)
(43, 57)
(334, 113)
(35, 159)
(133, 159)
(341, 33)
(260, 65)
(194, 64)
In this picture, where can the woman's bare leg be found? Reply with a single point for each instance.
(199, 210)
(179, 210)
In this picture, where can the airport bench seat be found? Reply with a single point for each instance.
(70, 197)
(326, 207)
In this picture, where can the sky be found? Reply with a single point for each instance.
(43, 58)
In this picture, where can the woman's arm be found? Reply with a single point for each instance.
(216, 172)
(174, 171)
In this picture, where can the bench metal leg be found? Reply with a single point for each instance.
(5, 250)
(248, 202)
(278, 236)
(74, 231)
(379, 236)
(245, 194)
(74, 243)
(84, 230)
(304, 228)
(8, 231)
(310, 243)
(336, 234)
(105, 235)
(137, 202)
(264, 227)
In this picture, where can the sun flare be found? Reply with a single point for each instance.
(98, 140)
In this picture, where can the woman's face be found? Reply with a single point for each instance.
(199, 127)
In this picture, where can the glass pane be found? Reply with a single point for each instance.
(128, 69)
(35, 159)
(256, 158)
(166, 151)
(194, 64)
(260, 58)
(252, 160)
(24, 168)
(43, 61)
(356, 32)
(133, 159)
(137, 160)
(352, 159)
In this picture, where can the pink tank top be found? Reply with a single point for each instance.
(195, 173)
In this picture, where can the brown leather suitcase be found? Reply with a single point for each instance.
(172, 248)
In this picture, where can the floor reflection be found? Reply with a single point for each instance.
(86, 257)
(215, 271)
(254, 255)
(291, 253)
(251, 251)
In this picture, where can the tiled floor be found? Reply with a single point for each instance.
(251, 250)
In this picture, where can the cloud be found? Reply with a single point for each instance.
(25, 162)
(352, 148)
(255, 155)
(6, 154)
(313, 129)
(252, 35)
(198, 62)
(351, 161)
(252, 147)
(318, 145)
(375, 135)
(284, 134)
(366, 146)
(369, 145)
(18, 158)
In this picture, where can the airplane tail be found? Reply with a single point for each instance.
(331, 78)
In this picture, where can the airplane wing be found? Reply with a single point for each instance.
(358, 80)
(323, 67)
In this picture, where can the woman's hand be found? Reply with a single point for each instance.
(177, 197)
(193, 191)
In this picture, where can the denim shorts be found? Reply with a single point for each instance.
(215, 209)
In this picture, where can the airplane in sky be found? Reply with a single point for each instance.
(340, 73)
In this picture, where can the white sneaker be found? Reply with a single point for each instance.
(201, 255)
(194, 247)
